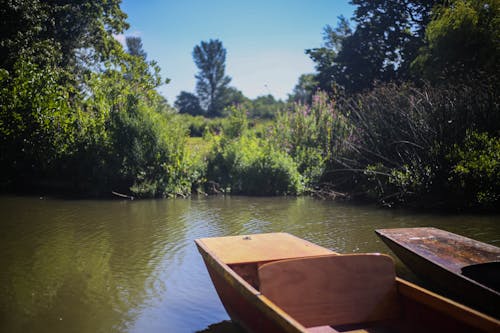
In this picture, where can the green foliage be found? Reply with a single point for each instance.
(313, 135)
(248, 165)
(463, 37)
(325, 57)
(242, 163)
(304, 89)
(404, 135)
(386, 40)
(188, 103)
(265, 107)
(78, 111)
(475, 171)
(211, 80)
(69, 26)
(136, 145)
(134, 47)
(237, 123)
(37, 123)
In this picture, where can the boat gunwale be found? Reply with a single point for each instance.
(448, 306)
(247, 291)
(385, 237)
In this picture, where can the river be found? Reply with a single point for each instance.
(132, 266)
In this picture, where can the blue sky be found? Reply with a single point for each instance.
(265, 40)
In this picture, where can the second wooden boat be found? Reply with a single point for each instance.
(466, 269)
(280, 283)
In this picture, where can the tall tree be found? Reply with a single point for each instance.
(188, 103)
(134, 46)
(81, 31)
(386, 40)
(462, 40)
(210, 58)
(325, 56)
(304, 89)
(265, 106)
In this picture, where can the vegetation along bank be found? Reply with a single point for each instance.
(403, 109)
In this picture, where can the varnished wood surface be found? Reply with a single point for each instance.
(321, 329)
(440, 257)
(443, 311)
(443, 248)
(420, 310)
(334, 289)
(261, 248)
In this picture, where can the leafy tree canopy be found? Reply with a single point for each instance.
(211, 80)
(462, 39)
(188, 103)
(79, 31)
(386, 39)
(304, 89)
(134, 46)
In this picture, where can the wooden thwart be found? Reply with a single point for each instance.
(314, 290)
(261, 248)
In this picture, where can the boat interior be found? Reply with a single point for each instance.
(348, 293)
(487, 274)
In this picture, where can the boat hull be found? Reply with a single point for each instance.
(243, 306)
(455, 285)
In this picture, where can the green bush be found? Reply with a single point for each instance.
(314, 136)
(475, 171)
(37, 121)
(242, 163)
(404, 134)
(129, 142)
(248, 165)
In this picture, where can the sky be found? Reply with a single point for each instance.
(265, 40)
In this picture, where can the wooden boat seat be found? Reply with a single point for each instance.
(332, 289)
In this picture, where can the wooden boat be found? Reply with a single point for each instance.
(466, 269)
(280, 283)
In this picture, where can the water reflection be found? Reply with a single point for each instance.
(121, 266)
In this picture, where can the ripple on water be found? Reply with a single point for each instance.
(122, 266)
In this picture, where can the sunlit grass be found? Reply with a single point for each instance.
(198, 147)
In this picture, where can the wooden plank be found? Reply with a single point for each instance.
(321, 329)
(442, 247)
(332, 289)
(261, 247)
(446, 308)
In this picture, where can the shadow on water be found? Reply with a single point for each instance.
(223, 327)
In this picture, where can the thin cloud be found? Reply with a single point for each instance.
(122, 37)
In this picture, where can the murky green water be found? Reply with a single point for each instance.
(132, 266)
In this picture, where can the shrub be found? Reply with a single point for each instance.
(241, 163)
(314, 135)
(404, 135)
(475, 171)
(248, 165)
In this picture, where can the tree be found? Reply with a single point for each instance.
(386, 40)
(134, 47)
(462, 40)
(231, 96)
(325, 56)
(265, 107)
(81, 31)
(188, 103)
(210, 58)
(304, 89)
